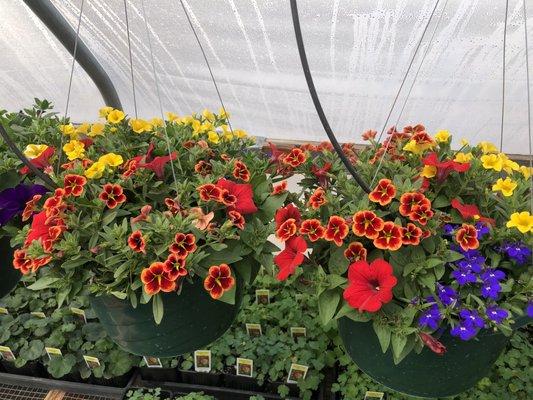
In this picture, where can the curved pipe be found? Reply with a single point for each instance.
(61, 29)
(316, 100)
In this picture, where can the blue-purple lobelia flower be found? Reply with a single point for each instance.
(13, 200)
(449, 229)
(470, 265)
(496, 314)
(482, 230)
(472, 317)
(464, 331)
(518, 251)
(447, 295)
(529, 309)
(464, 275)
(491, 289)
(491, 274)
(430, 318)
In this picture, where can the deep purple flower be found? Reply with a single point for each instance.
(492, 274)
(496, 314)
(469, 265)
(518, 252)
(430, 318)
(529, 309)
(472, 317)
(464, 331)
(449, 229)
(482, 230)
(13, 200)
(464, 276)
(491, 289)
(447, 294)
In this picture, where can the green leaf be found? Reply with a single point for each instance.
(120, 295)
(398, 343)
(270, 206)
(218, 246)
(383, 333)
(157, 308)
(338, 264)
(43, 283)
(328, 301)
(229, 295)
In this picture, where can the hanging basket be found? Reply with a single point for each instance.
(426, 374)
(191, 321)
(9, 275)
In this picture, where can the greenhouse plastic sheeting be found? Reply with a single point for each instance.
(358, 52)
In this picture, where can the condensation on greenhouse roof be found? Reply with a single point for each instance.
(358, 52)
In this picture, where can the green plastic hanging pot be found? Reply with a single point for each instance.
(191, 321)
(9, 276)
(426, 374)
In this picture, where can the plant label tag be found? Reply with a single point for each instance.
(245, 367)
(53, 352)
(152, 362)
(298, 331)
(202, 360)
(262, 296)
(3, 311)
(369, 395)
(297, 373)
(254, 330)
(78, 312)
(92, 362)
(38, 314)
(7, 354)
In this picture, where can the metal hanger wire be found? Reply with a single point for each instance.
(131, 58)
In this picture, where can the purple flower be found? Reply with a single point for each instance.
(492, 275)
(449, 229)
(518, 252)
(482, 230)
(496, 314)
(529, 309)
(464, 276)
(464, 331)
(13, 200)
(491, 289)
(446, 294)
(430, 318)
(469, 265)
(472, 317)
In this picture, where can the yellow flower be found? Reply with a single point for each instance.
(74, 149)
(188, 120)
(464, 142)
(508, 165)
(104, 111)
(95, 171)
(83, 128)
(526, 171)
(157, 122)
(113, 129)
(463, 158)
(240, 133)
(522, 221)
(222, 114)
(442, 136)
(506, 186)
(208, 115)
(487, 147)
(140, 125)
(171, 117)
(492, 161)
(414, 148)
(96, 130)
(115, 116)
(213, 137)
(68, 130)
(111, 159)
(429, 171)
(34, 150)
(227, 135)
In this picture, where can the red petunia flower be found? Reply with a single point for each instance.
(366, 223)
(336, 230)
(40, 162)
(218, 280)
(410, 200)
(275, 155)
(313, 229)
(244, 194)
(157, 165)
(433, 344)
(45, 229)
(355, 252)
(291, 257)
(421, 214)
(279, 188)
(317, 199)
(444, 168)
(227, 198)
(203, 168)
(470, 212)
(370, 285)
(112, 195)
(411, 234)
(466, 237)
(156, 279)
(236, 219)
(136, 242)
(383, 193)
(295, 157)
(240, 171)
(183, 244)
(143, 215)
(209, 192)
(73, 185)
(30, 207)
(286, 230)
(321, 174)
(389, 238)
(175, 266)
(284, 213)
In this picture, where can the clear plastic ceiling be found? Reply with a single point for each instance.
(358, 52)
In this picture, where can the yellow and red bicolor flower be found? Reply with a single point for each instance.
(183, 245)
(355, 252)
(203, 168)
(317, 199)
(236, 219)
(112, 195)
(279, 188)
(313, 229)
(240, 171)
(383, 193)
(218, 280)
(73, 185)
(136, 242)
(389, 238)
(411, 234)
(210, 192)
(336, 230)
(421, 214)
(287, 229)
(466, 237)
(30, 207)
(366, 223)
(411, 199)
(295, 157)
(156, 279)
(175, 266)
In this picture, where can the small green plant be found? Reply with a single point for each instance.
(195, 396)
(144, 394)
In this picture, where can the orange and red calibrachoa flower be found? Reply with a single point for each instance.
(227, 198)
(313, 229)
(21, 261)
(287, 229)
(143, 215)
(112, 195)
(183, 245)
(210, 192)
(240, 171)
(355, 252)
(466, 237)
(317, 199)
(156, 279)
(295, 157)
(421, 214)
(236, 219)
(290, 257)
(410, 200)
(203, 168)
(175, 266)
(279, 188)
(369, 135)
(366, 223)
(287, 212)
(136, 242)
(173, 205)
(389, 238)
(383, 193)
(218, 280)
(411, 234)
(73, 185)
(29, 209)
(336, 230)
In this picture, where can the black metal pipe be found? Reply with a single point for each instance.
(316, 100)
(61, 29)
